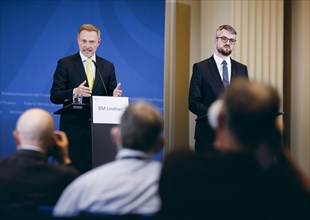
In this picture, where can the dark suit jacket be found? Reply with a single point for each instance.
(26, 177)
(230, 186)
(69, 74)
(206, 86)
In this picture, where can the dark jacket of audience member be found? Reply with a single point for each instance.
(26, 177)
(229, 186)
(250, 177)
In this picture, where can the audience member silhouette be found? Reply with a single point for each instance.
(128, 185)
(250, 178)
(26, 177)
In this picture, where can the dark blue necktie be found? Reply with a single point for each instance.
(225, 74)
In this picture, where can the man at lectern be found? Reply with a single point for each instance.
(86, 74)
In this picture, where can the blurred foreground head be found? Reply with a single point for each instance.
(247, 117)
(141, 127)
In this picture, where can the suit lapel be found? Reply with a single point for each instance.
(234, 70)
(97, 77)
(78, 64)
(215, 72)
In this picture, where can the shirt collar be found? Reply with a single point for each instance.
(127, 153)
(31, 147)
(84, 57)
(219, 60)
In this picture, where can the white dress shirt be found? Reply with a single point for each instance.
(219, 65)
(84, 58)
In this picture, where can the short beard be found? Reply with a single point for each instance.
(223, 51)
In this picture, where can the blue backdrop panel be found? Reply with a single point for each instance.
(35, 34)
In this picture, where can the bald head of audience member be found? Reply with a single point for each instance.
(35, 127)
(248, 118)
(140, 128)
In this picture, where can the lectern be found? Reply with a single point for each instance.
(104, 113)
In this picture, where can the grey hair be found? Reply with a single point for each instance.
(227, 27)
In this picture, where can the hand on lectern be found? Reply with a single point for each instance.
(117, 91)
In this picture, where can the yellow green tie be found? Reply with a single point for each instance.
(90, 74)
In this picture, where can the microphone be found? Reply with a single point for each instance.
(97, 69)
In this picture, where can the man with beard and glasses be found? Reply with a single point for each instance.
(208, 81)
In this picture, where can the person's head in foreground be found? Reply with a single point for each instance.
(246, 117)
(140, 128)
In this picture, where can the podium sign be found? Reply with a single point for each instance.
(106, 113)
(107, 109)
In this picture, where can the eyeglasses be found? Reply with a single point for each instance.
(225, 39)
